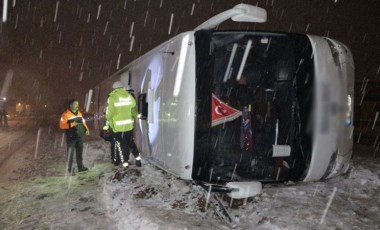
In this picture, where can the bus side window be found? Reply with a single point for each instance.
(143, 106)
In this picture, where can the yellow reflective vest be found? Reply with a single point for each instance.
(121, 110)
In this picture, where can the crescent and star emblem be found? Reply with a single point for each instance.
(218, 110)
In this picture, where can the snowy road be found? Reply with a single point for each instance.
(15, 131)
(13, 145)
(147, 198)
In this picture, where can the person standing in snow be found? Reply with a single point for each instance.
(120, 114)
(75, 126)
(3, 114)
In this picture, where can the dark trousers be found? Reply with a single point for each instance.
(123, 143)
(74, 146)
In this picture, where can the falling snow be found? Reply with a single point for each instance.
(54, 50)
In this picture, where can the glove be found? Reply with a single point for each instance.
(105, 134)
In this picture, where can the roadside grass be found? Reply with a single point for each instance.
(29, 203)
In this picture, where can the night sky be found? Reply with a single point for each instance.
(61, 49)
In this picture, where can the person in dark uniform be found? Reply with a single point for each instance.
(75, 126)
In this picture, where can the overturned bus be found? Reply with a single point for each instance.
(222, 106)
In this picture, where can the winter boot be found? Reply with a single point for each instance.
(82, 169)
(138, 161)
(71, 172)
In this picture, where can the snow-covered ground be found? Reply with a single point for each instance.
(37, 194)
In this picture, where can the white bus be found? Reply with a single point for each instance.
(242, 106)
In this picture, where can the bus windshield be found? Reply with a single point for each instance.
(254, 96)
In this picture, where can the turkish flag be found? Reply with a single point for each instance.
(221, 112)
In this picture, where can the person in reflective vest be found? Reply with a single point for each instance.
(120, 114)
(75, 126)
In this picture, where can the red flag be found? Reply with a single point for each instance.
(221, 112)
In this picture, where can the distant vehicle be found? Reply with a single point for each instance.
(242, 106)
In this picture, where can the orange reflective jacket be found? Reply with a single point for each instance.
(70, 120)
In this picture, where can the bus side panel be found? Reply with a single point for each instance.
(166, 137)
(327, 102)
